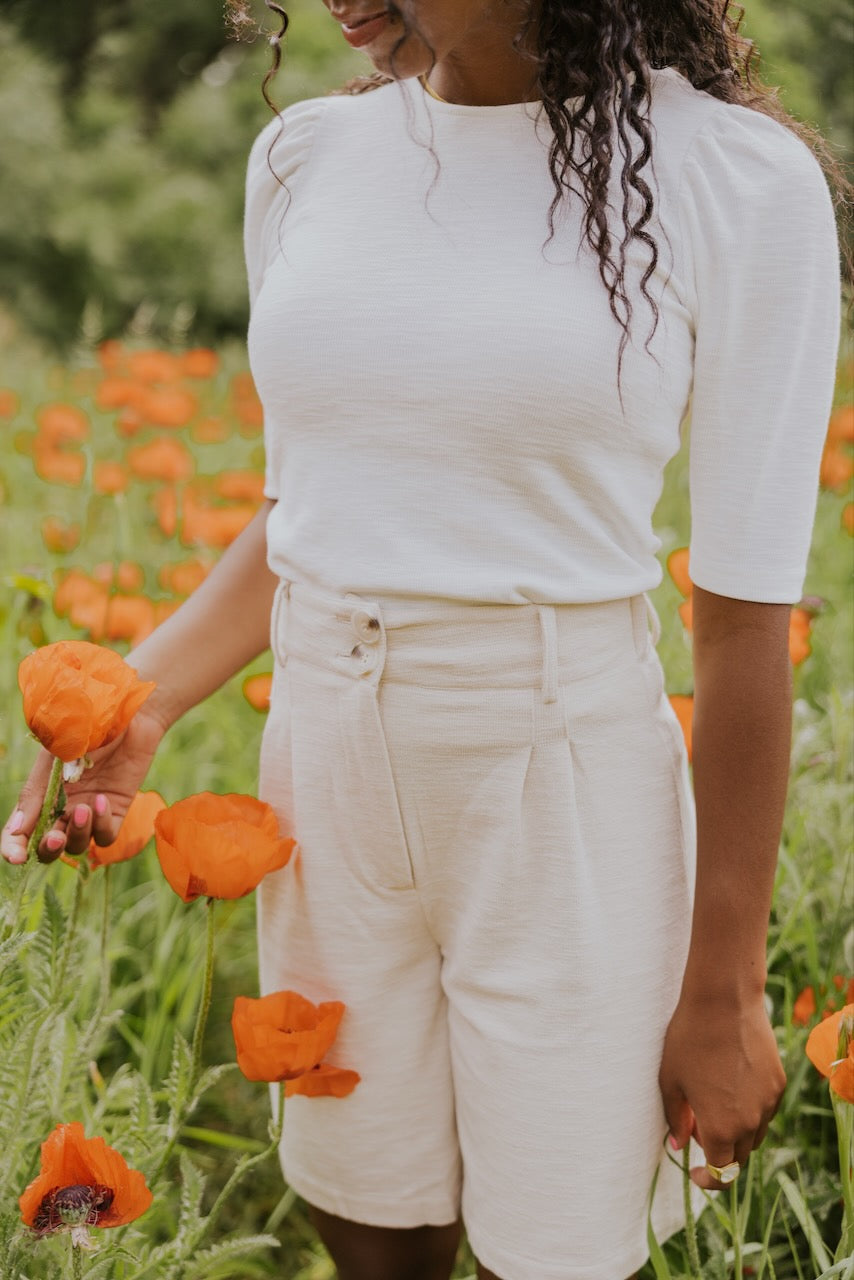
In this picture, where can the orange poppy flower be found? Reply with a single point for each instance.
(129, 422)
(800, 624)
(129, 618)
(201, 362)
(683, 705)
(283, 1035)
(168, 406)
(82, 1183)
(240, 486)
(830, 1048)
(164, 609)
(677, 567)
(9, 403)
(154, 366)
(127, 575)
(56, 466)
(162, 459)
(59, 423)
(803, 1010)
(183, 578)
(686, 613)
(78, 696)
(209, 526)
(58, 536)
(256, 691)
(247, 406)
(837, 467)
(323, 1081)
(111, 355)
(840, 428)
(166, 510)
(75, 586)
(219, 846)
(210, 430)
(134, 834)
(109, 477)
(847, 518)
(117, 393)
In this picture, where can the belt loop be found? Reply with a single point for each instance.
(548, 631)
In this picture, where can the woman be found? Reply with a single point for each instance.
(479, 312)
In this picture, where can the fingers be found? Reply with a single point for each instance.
(71, 833)
(680, 1119)
(21, 823)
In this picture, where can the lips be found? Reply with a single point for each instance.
(361, 29)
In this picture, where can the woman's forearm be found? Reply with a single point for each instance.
(741, 746)
(221, 627)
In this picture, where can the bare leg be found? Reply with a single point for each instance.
(387, 1253)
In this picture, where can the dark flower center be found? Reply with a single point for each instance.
(71, 1207)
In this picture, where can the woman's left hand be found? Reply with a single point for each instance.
(721, 1078)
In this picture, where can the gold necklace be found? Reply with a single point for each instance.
(425, 84)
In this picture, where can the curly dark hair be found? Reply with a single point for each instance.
(587, 54)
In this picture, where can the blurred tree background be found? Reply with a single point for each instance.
(126, 126)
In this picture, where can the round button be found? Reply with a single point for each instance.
(366, 626)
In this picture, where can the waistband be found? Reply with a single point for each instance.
(447, 644)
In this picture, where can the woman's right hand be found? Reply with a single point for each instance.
(95, 805)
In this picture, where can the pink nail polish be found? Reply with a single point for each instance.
(55, 840)
(16, 822)
(673, 1143)
(100, 805)
(81, 814)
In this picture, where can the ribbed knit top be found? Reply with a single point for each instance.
(439, 376)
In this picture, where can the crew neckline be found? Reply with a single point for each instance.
(440, 107)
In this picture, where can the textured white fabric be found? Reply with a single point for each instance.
(495, 872)
(439, 381)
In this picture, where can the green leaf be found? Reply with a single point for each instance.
(806, 1221)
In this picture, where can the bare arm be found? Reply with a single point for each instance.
(223, 625)
(721, 1075)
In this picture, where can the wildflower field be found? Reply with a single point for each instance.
(133, 1145)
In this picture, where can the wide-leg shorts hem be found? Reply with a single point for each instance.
(617, 1267)
(403, 1209)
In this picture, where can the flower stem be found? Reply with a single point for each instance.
(205, 1003)
(737, 1261)
(76, 1260)
(105, 932)
(70, 931)
(49, 808)
(690, 1223)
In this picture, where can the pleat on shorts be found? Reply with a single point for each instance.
(495, 873)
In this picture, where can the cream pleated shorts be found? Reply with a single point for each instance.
(495, 873)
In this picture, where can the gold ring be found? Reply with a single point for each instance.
(725, 1173)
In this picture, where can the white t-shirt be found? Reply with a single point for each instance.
(439, 380)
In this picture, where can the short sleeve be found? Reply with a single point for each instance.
(278, 156)
(762, 264)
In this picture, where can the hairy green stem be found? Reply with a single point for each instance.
(49, 808)
(690, 1223)
(104, 994)
(843, 1114)
(198, 1037)
(737, 1260)
(71, 930)
(76, 1261)
(205, 1003)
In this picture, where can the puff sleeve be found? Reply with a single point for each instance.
(277, 160)
(762, 266)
